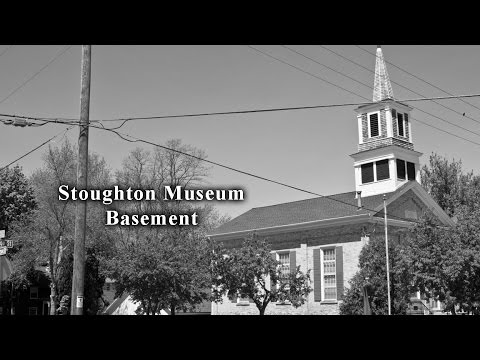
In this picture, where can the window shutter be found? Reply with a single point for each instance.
(367, 173)
(383, 171)
(293, 261)
(339, 271)
(400, 169)
(374, 125)
(317, 276)
(273, 287)
(411, 171)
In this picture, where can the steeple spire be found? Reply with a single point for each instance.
(382, 88)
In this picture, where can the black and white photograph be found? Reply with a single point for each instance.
(239, 180)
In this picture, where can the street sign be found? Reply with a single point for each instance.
(2, 234)
(79, 301)
(3, 243)
(9, 244)
(3, 250)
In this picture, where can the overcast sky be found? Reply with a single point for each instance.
(305, 148)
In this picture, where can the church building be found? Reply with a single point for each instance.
(326, 234)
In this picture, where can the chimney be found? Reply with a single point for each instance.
(359, 200)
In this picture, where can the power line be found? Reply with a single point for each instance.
(237, 170)
(404, 87)
(35, 75)
(419, 78)
(368, 86)
(4, 51)
(36, 148)
(46, 120)
(445, 131)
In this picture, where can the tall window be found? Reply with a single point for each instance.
(411, 171)
(367, 173)
(383, 171)
(400, 169)
(329, 275)
(374, 126)
(34, 292)
(284, 259)
(401, 129)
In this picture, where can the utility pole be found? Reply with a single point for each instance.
(386, 252)
(82, 181)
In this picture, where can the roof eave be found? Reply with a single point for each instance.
(294, 227)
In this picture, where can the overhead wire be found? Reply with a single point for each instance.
(419, 78)
(404, 87)
(445, 131)
(368, 86)
(35, 75)
(122, 136)
(36, 148)
(4, 51)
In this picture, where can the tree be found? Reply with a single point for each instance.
(163, 267)
(373, 274)
(48, 238)
(445, 262)
(447, 183)
(168, 273)
(17, 199)
(244, 272)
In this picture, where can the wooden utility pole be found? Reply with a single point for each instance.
(82, 181)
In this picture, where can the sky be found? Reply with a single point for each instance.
(308, 149)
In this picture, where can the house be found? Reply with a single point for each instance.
(124, 305)
(326, 234)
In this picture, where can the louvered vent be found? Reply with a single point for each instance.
(374, 131)
(401, 130)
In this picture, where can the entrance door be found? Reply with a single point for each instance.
(46, 308)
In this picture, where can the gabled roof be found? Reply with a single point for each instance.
(115, 304)
(321, 208)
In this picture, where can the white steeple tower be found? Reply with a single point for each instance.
(385, 159)
(382, 89)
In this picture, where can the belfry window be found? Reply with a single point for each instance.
(411, 171)
(401, 169)
(401, 129)
(367, 173)
(374, 125)
(383, 171)
(375, 171)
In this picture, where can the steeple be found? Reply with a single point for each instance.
(382, 89)
(385, 159)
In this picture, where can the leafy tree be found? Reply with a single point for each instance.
(373, 274)
(17, 198)
(448, 184)
(48, 238)
(171, 272)
(163, 267)
(244, 272)
(445, 262)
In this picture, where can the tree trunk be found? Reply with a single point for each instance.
(53, 298)
(172, 309)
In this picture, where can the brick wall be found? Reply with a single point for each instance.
(304, 243)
